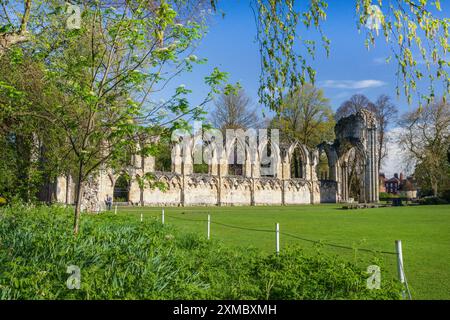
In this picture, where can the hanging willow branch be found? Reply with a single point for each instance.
(282, 66)
(416, 34)
(418, 39)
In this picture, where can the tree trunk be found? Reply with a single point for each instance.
(7, 40)
(79, 188)
(434, 186)
(67, 188)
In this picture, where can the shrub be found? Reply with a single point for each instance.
(446, 195)
(432, 201)
(121, 258)
(384, 195)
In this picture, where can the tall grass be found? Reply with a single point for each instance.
(122, 258)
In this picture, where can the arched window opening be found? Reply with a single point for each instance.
(355, 169)
(202, 168)
(163, 156)
(297, 165)
(122, 189)
(236, 159)
(268, 162)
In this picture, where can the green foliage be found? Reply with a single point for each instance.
(415, 30)
(425, 138)
(305, 116)
(98, 81)
(121, 258)
(25, 128)
(278, 25)
(432, 200)
(386, 195)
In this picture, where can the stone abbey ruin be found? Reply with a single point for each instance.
(253, 183)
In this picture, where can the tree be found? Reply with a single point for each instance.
(101, 79)
(32, 151)
(385, 112)
(356, 103)
(408, 26)
(13, 30)
(234, 110)
(425, 138)
(306, 117)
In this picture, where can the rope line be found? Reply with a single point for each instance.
(242, 228)
(335, 245)
(302, 239)
(286, 234)
(184, 219)
(406, 281)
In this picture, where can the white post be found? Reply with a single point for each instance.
(277, 231)
(398, 249)
(162, 216)
(142, 217)
(115, 210)
(400, 268)
(209, 226)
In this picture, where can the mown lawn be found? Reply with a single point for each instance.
(424, 231)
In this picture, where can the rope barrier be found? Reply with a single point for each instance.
(291, 236)
(286, 234)
(336, 245)
(184, 219)
(406, 283)
(242, 228)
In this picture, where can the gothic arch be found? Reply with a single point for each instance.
(272, 169)
(298, 163)
(237, 147)
(357, 135)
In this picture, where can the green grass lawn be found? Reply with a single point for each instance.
(424, 231)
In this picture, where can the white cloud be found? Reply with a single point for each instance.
(380, 60)
(352, 84)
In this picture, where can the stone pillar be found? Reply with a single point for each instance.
(213, 166)
(247, 168)
(377, 169)
(344, 184)
(177, 160)
(222, 170)
(148, 164)
(286, 169)
(187, 164)
(135, 190)
(371, 167)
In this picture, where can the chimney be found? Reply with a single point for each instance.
(401, 176)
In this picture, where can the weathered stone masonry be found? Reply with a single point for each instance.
(354, 134)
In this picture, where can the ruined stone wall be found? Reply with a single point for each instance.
(203, 190)
(297, 191)
(356, 133)
(329, 192)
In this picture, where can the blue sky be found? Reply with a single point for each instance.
(350, 69)
(230, 45)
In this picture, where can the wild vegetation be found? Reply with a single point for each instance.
(122, 258)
